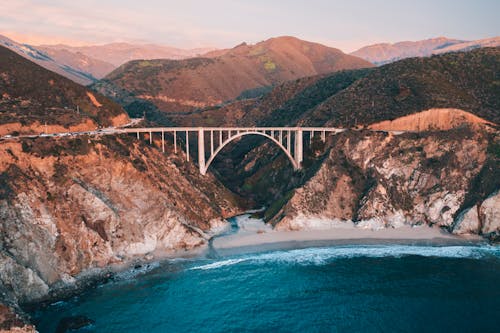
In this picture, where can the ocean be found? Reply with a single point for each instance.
(372, 288)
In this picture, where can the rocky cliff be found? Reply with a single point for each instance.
(71, 206)
(382, 180)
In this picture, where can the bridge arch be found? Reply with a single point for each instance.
(204, 168)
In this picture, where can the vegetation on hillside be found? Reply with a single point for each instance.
(464, 80)
(30, 93)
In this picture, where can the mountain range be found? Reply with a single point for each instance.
(245, 69)
(88, 64)
(380, 54)
(119, 53)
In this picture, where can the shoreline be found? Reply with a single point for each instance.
(253, 236)
(315, 243)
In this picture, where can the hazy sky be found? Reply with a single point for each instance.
(346, 24)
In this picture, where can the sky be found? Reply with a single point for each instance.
(345, 24)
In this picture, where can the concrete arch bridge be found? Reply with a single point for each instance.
(289, 139)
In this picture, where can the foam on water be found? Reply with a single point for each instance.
(320, 256)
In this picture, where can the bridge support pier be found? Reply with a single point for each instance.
(201, 151)
(299, 148)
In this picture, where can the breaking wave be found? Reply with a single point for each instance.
(320, 256)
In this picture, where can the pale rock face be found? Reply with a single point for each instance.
(442, 206)
(304, 222)
(61, 218)
(393, 181)
(490, 214)
(218, 226)
(23, 282)
(467, 222)
(375, 223)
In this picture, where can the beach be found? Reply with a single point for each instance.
(253, 235)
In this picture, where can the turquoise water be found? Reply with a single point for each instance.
(378, 288)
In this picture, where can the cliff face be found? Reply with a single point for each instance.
(381, 180)
(71, 205)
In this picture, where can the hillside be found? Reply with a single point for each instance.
(385, 53)
(212, 81)
(429, 120)
(72, 205)
(79, 61)
(119, 53)
(74, 66)
(464, 80)
(31, 96)
(281, 105)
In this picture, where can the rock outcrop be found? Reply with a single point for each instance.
(379, 180)
(482, 218)
(10, 322)
(73, 206)
(433, 119)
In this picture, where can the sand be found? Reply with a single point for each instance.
(255, 234)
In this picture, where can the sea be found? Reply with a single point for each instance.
(337, 288)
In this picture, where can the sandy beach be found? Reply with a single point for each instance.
(254, 234)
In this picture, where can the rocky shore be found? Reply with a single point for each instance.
(72, 208)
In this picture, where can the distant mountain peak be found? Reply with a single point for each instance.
(224, 75)
(384, 53)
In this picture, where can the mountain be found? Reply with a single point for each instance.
(384, 53)
(77, 60)
(462, 80)
(120, 53)
(76, 67)
(468, 46)
(87, 64)
(186, 85)
(278, 106)
(32, 96)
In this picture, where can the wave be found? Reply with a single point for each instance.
(323, 255)
(222, 263)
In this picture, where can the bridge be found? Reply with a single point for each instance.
(211, 140)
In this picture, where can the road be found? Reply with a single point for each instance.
(99, 131)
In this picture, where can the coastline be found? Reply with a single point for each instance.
(252, 236)
(255, 236)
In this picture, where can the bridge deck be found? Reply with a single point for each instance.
(249, 129)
